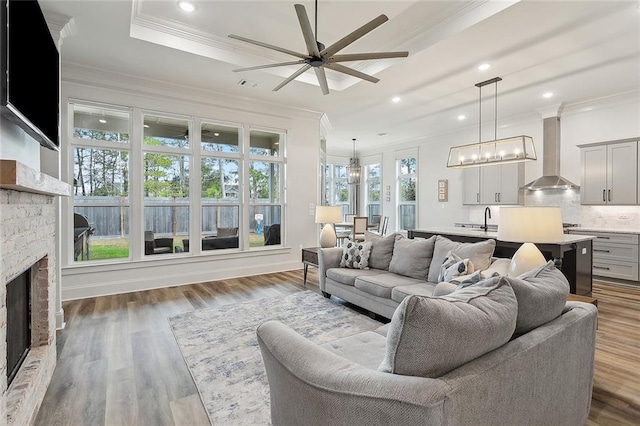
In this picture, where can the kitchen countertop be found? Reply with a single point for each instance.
(587, 229)
(476, 232)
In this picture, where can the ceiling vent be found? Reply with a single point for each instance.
(247, 83)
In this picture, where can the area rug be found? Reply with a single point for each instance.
(221, 349)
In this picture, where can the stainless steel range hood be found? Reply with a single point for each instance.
(551, 178)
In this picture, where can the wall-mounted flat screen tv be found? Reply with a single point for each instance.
(30, 71)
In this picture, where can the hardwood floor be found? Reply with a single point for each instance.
(119, 364)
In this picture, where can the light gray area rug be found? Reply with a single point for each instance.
(221, 349)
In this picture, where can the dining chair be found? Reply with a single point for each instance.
(360, 225)
(342, 233)
(375, 222)
(382, 229)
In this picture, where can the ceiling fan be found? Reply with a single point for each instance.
(320, 56)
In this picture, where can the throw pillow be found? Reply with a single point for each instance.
(355, 255)
(480, 254)
(412, 257)
(430, 336)
(453, 267)
(381, 249)
(542, 295)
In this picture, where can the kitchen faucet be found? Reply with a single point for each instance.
(486, 210)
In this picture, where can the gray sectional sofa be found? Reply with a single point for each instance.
(397, 267)
(499, 351)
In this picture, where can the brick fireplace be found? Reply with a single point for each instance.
(28, 225)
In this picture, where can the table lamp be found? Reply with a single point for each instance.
(328, 215)
(529, 225)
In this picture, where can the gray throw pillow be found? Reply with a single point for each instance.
(430, 336)
(412, 257)
(542, 295)
(381, 249)
(355, 255)
(479, 253)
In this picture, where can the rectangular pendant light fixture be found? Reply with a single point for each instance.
(497, 151)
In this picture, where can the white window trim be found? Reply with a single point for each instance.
(399, 155)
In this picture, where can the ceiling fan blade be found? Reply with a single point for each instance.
(351, 71)
(355, 35)
(322, 80)
(307, 32)
(269, 46)
(280, 64)
(292, 77)
(366, 56)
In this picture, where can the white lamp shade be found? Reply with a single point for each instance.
(328, 214)
(530, 225)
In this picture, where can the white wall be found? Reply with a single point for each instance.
(302, 152)
(16, 144)
(617, 117)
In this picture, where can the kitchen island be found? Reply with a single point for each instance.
(573, 255)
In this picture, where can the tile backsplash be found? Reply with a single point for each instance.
(605, 217)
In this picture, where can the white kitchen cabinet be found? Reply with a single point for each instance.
(501, 184)
(609, 173)
(471, 182)
(615, 254)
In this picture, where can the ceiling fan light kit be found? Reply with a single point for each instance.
(320, 57)
(514, 149)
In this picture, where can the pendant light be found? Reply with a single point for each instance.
(353, 169)
(515, 149)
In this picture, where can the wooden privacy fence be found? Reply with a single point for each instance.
(165, 216)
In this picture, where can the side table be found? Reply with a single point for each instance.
(309, 257)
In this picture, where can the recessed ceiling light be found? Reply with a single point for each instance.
(216, 134)
(102, 120)
(187, 6)
(484, 67)
(395, 99)
(462, 117)
(146, 126)
(547, 95)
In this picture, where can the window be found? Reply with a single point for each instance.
(220, 166)
(406, 180)
(265, 188)
(337, 188)
(189, 176)
(100, 160)
(372, 190)
(165, 183)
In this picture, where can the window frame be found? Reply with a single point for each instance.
(403, 155)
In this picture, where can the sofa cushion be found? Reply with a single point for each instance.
(480, 254)
(412, 257)
(355, 255)
(381, 249)
(366, 348)
(454, 266)
(424, 288)
(381, 285)
(348, 276)
(430, 336)
(542, 295)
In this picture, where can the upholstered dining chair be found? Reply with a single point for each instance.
(343, 233)
(360, 226)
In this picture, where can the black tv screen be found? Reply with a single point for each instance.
(30, 72)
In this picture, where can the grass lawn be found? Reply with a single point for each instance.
(118, 248)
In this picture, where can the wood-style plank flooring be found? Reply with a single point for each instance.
(119, 364)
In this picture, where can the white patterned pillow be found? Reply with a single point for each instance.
(454, 266)
(355, 255)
